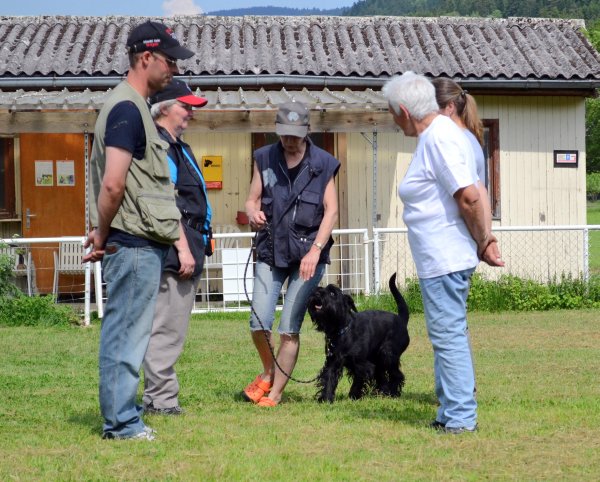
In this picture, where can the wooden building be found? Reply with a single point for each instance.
(530, 78)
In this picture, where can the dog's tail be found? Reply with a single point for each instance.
(400, 301)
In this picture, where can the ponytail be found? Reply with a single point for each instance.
(446, 91)
(470, 117)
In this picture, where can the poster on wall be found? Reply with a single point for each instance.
(65, 173)
(43, 174)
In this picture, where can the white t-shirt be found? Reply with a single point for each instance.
(443, 163)
(479, 156)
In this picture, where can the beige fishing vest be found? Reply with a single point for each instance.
(148, 208)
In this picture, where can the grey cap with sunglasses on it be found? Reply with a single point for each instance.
(156, 37)
(293, 119)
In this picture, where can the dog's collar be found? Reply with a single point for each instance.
(345, 329)
(331, 344)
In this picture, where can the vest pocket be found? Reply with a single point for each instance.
(160, 217)
(160, 166)
(306, 209)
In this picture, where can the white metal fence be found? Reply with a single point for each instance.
(359, 263)
(229, 271)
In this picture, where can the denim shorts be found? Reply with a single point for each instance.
(268, 283)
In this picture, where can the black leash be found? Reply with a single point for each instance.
(265, 331)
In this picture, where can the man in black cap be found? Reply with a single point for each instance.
(172, 109)
(134, 219)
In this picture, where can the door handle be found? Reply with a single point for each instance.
(28, 216)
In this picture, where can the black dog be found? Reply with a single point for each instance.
(367, 344)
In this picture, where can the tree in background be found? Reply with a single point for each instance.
(592, 113)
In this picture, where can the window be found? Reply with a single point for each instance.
(7, 179)
(491, 151)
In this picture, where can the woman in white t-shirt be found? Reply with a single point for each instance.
(448, 235)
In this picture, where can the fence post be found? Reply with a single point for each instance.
(366, 266)
(376, 261)
(586, 256)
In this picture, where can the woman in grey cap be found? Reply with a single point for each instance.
(293, 205)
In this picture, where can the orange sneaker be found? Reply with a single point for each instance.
(256, 390)
(267, 402)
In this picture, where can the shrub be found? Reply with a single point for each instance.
(21, 310)
(593, 185)
(509, 293)
(7, 287)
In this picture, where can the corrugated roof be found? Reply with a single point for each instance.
(217, 99)
(517, 48)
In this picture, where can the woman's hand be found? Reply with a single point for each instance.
(491, 254)
(187, 263)
(257, 219)
(308, 265)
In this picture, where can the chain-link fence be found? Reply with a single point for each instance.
(539, 253)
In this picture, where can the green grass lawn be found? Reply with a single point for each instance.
(593, 217)
(538, 393)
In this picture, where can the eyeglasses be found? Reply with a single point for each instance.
(170, 61)
(187, 107)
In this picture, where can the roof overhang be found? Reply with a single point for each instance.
(584, 87)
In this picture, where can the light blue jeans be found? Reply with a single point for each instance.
(445, 304)
(132, 278)
(267, 288)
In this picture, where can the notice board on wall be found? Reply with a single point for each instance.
(212, 170)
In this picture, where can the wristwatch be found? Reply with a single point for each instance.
(318, 245)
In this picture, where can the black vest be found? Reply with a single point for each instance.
(294, 210)
(192, 203)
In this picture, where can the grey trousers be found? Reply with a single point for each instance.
(174, 304)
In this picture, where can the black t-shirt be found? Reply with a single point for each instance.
(293, 172)
(125, 129)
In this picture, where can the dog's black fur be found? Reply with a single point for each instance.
(367, 344)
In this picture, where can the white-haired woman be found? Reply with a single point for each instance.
(172, 111)
(448, 234)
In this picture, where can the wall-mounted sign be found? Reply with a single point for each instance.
(65, 173)
(212, 170)
(566, 158)
(43, 174)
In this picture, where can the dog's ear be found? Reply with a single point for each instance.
(350, 303)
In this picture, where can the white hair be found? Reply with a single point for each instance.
(415, 92)
(156, 109)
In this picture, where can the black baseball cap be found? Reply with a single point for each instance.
(156, 37)
(177, 89)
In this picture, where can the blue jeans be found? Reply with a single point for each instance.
(267, 288)
(445, 304)
(132, 278)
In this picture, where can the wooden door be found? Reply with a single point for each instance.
(52, 206)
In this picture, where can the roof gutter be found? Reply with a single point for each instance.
(257, 81)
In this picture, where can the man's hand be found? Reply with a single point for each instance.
(97, 242)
